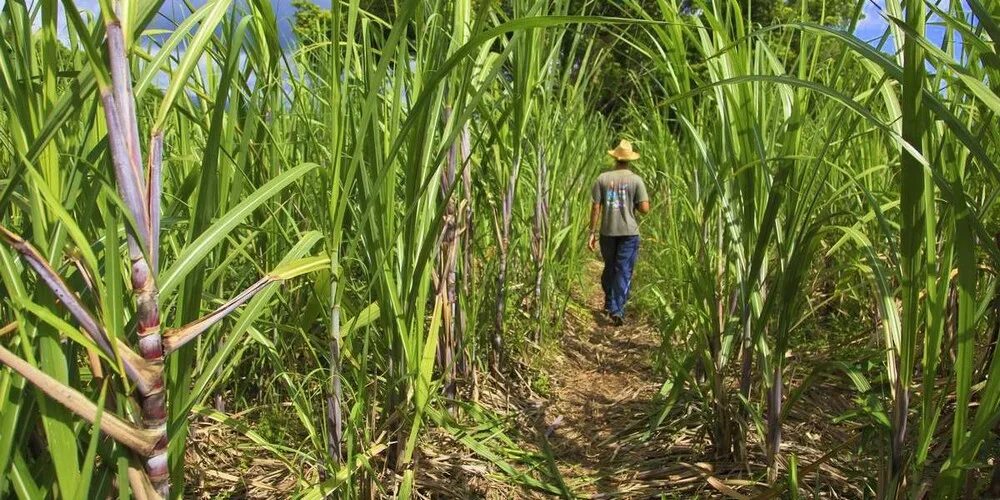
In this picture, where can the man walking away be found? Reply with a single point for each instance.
(617, 194)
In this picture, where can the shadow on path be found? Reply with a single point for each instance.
(602, 391)
(603, 394)
(591, 424)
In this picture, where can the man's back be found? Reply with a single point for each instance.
(619, 191)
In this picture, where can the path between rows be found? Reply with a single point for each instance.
(602, 393)
(602, 387)
(594, 395)
(598, 389)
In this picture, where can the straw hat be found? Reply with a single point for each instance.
(624, 152)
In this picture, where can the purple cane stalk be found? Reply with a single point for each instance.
(138, 371)
(121, 121)
(141, 196)
(125, 176)
(538, 237)
(504, 236)
(121, 81)
(445, 276)
(466, 235)
(154, 183)
(141, 441)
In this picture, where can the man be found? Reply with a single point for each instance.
(616, 195)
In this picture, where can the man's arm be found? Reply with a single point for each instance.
(595, 221)
(641, 197)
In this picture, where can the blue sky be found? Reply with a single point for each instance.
(869, 29)
(874, 23)
(174, 10)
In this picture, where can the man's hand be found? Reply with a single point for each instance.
(595, 221)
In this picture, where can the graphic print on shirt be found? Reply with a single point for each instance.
(615, 195)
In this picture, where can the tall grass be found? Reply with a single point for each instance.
(856, 164)
(377, 120)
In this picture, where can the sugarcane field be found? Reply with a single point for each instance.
(499, 249)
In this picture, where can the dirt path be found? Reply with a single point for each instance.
(601, 392)
(587, 415)
(591, 411)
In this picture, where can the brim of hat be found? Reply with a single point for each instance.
(623, 156)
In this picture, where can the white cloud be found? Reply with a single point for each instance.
(873, 23)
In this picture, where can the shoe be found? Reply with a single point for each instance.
(617, 320)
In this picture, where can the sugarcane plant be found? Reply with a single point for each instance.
(139, 188)
(770, 194)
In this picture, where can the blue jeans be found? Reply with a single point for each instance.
(619, 253)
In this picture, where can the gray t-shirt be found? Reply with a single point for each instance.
(619, 191)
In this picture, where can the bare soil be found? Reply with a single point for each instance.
(593, 419)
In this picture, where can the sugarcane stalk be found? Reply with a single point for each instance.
(539, 236)
(119, 111)
(125, 177)
(722, 435)
(504, 236)
(746, 363)
(445, 276)
(774, 422)
(142, 442)
(334, 400)
(138, 371)
(154, 183)
(466, 236)
(121, 81)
